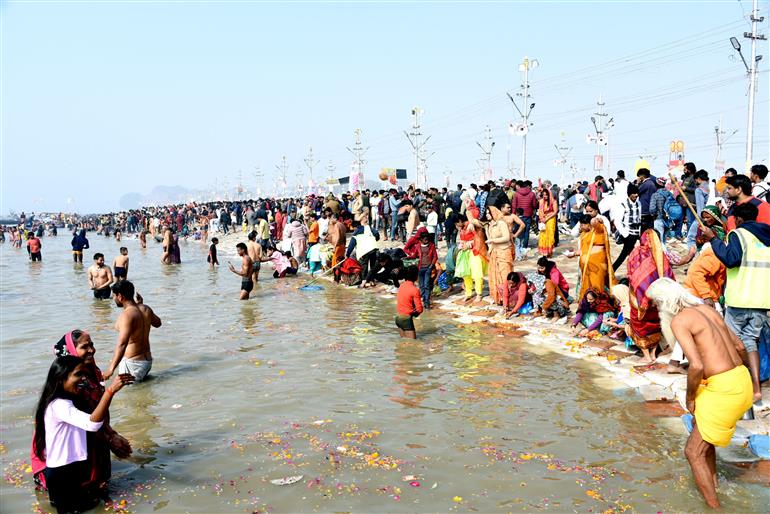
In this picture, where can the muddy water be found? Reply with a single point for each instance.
(317, 384)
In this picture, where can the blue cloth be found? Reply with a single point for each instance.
(731, 253)
(759, 444)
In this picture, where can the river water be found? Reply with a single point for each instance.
(319, 384)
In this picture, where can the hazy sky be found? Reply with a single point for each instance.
(104, 98)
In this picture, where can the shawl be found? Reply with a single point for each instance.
(646, 264)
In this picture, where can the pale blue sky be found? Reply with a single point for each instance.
(104, 98)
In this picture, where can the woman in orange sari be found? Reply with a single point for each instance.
(500, 253)
(595, 259)
(547, 211)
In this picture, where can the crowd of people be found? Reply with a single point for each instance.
(422, 243)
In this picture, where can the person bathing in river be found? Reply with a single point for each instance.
(120, 264)
(247, 268)
(99, 444)
(100, 278)
(132, 350)
(212, 257)
(60, 432)
(79, 243)
(254, 250)
(719, 388)
(408, 304)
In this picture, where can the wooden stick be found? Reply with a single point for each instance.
(322, 274)
(692, 209)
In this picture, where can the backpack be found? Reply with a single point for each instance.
(673, 210)
(765, 194)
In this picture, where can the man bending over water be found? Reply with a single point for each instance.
(132, 350)
(719, 389)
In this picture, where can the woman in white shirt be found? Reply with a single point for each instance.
(60, 431)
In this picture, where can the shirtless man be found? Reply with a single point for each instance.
(132, 350)
(167, 244)
(100, 278)
(247, 268)
(719, 389)
(121, 264)
(254, 250)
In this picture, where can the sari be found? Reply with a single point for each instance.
(646, 264)
(500, 254)
(98, 462)
(595, 261)
(471, 260)
(547, 238)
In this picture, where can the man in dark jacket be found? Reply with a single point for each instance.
(647, 188)
(525, 200)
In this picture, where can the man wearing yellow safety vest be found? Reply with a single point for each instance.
(747, 258)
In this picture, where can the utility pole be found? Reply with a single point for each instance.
(447, 175)
(485, 162)
(563, 152)
(601, 138)
(358, 152)
(282, 169)
(754, 36)
(719, 164)
(240, 185)
(418, 148)
(330, 169)
(300, 176)
(522, 129)
(311, 163)
(258, 176)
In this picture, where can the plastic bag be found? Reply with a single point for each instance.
(463, 264)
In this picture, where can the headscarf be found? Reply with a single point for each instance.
(646, 264)
(602, 304)
(621, 294)
(66, 345)
(718, 229)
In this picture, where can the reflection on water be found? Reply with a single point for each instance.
(318, 384)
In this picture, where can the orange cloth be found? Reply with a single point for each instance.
(312, 236)
(339, 255)
(408, 299)
(706, 276)
(762, 217)
(595, 261)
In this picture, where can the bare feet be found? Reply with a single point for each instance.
(675, 369)
(758, 397)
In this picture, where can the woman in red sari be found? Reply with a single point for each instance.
(646, 264)
(99, 444)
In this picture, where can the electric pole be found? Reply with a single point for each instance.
(601, 138)
(415, 138)
(485, 162)
(240, 185)
(357, 169)
(282, 169)
(522, 129)
(258, 177)
(719, 164)
(330, 169)
(754, 36)
(311, 163)
(563, 152)
(300, 176)
(447, 174)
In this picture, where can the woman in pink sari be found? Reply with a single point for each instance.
(297, 232)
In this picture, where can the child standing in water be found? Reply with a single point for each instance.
(120, 264)
(212, 258)
(428, 257)
(60, 432)
(408, 304)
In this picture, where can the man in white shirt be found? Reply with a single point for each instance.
(627, 217)
(621, 187)
(760, 187)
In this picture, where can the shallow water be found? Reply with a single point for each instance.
(318, 384)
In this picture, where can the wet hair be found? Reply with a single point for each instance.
(410, 273)
(632, 190)
(585, 219)
(241, 246)
(52, 389)
(746, 211)
(97, 255)
(123, 249)
(125, 288)
(741, 182)
(593, 204)
(252, 235)
(759, 170)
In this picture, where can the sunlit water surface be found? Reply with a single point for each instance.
(319, 384)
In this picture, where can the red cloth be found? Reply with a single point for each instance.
(762, 217)
(526, 200)
(408, 299)
(412, 247)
